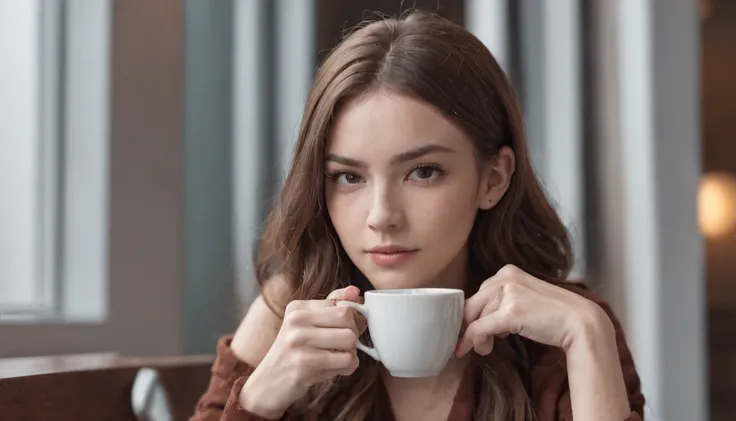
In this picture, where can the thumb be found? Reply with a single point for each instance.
(478, 333)
(350, 293)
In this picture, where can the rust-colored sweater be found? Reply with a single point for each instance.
(550, 394)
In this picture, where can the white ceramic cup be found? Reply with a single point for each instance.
(414, 331)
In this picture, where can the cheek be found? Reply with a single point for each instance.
(446, 210)
(442, 224)
(341, 210)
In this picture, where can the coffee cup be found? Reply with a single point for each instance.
(414, 331)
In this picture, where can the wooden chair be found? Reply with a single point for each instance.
(94, 387)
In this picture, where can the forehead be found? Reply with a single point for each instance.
(384, 123)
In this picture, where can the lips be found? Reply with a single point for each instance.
(391, 255)
(389, 249)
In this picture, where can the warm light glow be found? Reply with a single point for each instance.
(717, 205)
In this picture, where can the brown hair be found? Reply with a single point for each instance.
(442, 64)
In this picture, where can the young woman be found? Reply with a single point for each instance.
(411, 170)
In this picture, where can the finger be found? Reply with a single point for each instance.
(332, 317)
(361, 323)
(493, 287)
(350, 293)
(335, 339)
(475, 305)
(483, 347)
(338, 362)
(319, 365)
(480, 330)
(307, 306)
(345, 294)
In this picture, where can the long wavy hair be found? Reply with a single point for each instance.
(436, 61)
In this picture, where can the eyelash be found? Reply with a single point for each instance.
(334, 176)
(434, 167)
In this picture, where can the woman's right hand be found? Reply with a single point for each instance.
(317, 341)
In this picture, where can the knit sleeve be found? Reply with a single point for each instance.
(220, 402)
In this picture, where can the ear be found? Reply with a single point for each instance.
(496, 178)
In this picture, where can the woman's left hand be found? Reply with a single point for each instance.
(514, 302)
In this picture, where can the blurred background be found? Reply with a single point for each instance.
(144, 141)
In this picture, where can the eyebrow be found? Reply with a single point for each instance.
(396, 159)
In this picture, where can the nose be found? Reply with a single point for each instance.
(385, 212)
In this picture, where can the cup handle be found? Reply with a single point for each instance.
(362, 309)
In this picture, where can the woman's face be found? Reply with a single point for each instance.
(403, 189)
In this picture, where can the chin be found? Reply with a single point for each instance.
(398, 280)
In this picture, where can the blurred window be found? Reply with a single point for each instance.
(53, 159)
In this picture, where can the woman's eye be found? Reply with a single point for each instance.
(424, 173)
(347, 178)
